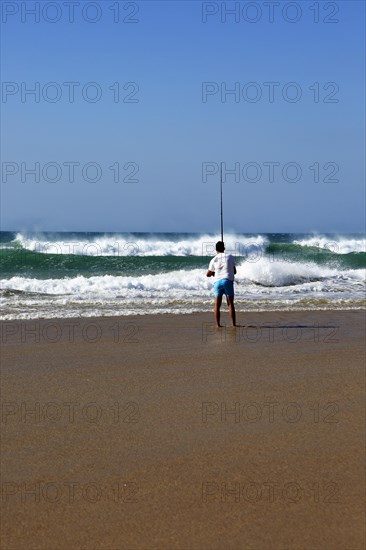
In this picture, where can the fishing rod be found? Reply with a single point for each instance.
(221, 212)
(222, 216)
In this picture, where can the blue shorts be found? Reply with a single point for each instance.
(223, 286)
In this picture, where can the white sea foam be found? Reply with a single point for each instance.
(279, 273)
(263, 272)
(338, 245)
(124, 245)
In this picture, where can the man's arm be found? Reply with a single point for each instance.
(211, 267)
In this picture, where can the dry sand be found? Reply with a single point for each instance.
(160, 432)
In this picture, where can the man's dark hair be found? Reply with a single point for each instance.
(220, 247)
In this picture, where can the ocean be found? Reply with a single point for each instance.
(60, 275)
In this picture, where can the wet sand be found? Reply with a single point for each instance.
(161, 432)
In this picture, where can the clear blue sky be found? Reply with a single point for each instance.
(170, 132)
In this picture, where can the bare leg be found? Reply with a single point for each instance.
(218, 301)
(230, 301)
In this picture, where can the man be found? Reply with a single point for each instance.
(222, 267)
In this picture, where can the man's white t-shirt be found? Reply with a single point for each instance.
(223, 266)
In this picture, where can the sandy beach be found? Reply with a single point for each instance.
(160, 432)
